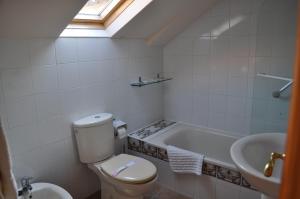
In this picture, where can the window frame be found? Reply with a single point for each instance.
(101, 23)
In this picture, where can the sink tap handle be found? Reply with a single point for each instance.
(268, 171)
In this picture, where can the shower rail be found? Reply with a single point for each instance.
(276, 94)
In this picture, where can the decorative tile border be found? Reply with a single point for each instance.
(228, 175)
(151, 129)
(209, 169)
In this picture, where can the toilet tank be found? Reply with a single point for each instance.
(95, 137)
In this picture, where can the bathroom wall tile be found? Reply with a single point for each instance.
(285, 24)
(225, 190)
(17, 83)
(217, 120)
(277, 111)
(201, 66)
(262, 65)
(96, 98)
(96, 72)
(45, 79)
(182, 46)
(40, 102)
(222, 8)
(149, 149)
(245, 39)
(23, 138)
(200, 109)
(186, 183)
(69, 76)
(240, 6)
(237, 86)
(209, 169)
(265, 24)
(218, 103)
(242, 24)
(134, 144)
(246, 184)
(138, 48)
(238, 125)
(202, 46)
(48, 105)
(262, 88)
(42, 52)
(249, 194)
(229, 175)
(263, 46)
(239, 46)
(14, 53)
(162, 154)
(53, 129)
(21, 111)
(200, 27)
(220, 46)
(219, 27)
(259, 110)
(283, 46)
(206, 187)
(66, 50)
(277, 68)
(239, 66)
(145, 67)
(93, 49)
(218, 83)
(237, 106)
(72, 103)
(121, 69)
(201, 85)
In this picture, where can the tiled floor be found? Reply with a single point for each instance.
(159, 192)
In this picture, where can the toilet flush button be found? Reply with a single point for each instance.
(97, 116)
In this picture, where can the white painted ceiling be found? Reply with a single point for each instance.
(36, 18)
(157, 23)
(164, 19)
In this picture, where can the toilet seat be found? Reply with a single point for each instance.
(138, 170)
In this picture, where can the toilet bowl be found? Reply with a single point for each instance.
(122, 176)
(131, 183)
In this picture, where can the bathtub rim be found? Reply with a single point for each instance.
(158, 139)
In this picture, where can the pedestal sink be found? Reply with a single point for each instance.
(251, 153)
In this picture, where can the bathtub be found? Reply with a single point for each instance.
(213, 144)
(218, 169)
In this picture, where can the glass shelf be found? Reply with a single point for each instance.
(141, 82)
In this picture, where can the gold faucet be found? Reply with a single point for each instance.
(270, 165)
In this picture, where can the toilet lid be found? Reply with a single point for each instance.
(129, 169)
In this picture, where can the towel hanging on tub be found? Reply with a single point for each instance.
(183, 161)
(7, 181)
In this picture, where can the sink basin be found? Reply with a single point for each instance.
(251, 153)
(47, 191)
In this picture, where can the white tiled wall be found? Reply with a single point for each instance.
(48, 83)
(214, 64)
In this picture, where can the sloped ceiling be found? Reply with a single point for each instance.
(164, 19)
(157, 23)
(36, 18)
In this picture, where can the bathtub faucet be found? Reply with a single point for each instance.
(26, 187)
(268, 171)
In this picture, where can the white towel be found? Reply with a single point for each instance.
(7, 181)
(183, 161)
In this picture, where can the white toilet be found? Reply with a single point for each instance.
(122, 176)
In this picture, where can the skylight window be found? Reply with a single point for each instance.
(100, 11)
(103, 18)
